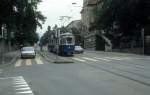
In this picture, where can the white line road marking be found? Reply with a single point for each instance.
(18, 79)
(119, 58)
(90, 59)
(38, 61)
(102, 59)
(20, 83)
(112, 58)
(18, 63)
(25, 85)
(10, 77)
(25, 92)
(21, 86)
(78, 59)
(26, 88)
(28, 62)
(21, 80)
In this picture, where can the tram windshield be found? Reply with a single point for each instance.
(69, 40)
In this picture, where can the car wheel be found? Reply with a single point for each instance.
(33, 57)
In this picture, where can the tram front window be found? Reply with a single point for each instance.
(69, 40)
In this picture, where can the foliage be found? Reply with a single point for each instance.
(21, 17)
(63, 29)
(75, 30)
(44, 39)
(123, 18)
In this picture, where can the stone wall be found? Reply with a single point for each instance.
(90, 41)
(5, 49)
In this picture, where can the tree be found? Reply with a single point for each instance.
(30, 18)
(21, 17)
(63, 29)
(123, 19)
(45, 38)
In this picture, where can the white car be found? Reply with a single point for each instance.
(78, 49)
(28, 52)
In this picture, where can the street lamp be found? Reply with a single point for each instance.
(76, 11)
(74, 3)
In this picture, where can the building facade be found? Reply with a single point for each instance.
(91, 39)
(95, 41)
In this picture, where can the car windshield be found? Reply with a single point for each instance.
(28, 49)
(78, 47)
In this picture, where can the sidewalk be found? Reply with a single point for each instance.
(9, 58)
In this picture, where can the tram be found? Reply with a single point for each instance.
(63, 45)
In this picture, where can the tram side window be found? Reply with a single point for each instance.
(53, 42)
(49, 42)
(61, 41)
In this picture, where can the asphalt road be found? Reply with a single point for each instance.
(92, 73)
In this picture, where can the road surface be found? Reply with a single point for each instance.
(92, 73)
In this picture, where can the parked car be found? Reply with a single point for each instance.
(28, 52)
(78, 49)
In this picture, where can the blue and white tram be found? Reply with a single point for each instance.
(66, 44)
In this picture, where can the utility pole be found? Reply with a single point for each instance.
(3, 43)
(63, 19)
(143, 40)
(57, 42)
(2, 51)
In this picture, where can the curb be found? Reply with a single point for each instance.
(45, 57)
(56, 61)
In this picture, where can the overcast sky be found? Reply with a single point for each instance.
(53, 9)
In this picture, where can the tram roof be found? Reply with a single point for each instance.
(66, 34)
